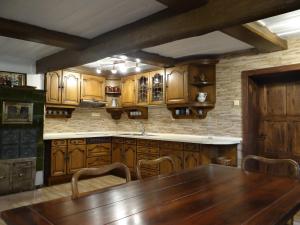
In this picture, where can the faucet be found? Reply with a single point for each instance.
(142, 127)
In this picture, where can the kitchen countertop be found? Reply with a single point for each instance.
(197, 139)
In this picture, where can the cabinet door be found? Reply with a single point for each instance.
(128, 91)
(53, 83)
(103, 149)
(71, 88)
(142, 92)
(58, 160)
(177, 85)
(165, 167)
(129, 156)
(92, 87)
(117, 149)
(157, 87)
(191, 160)
(76, 158)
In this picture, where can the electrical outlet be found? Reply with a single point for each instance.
(236, 102)
(95, 114)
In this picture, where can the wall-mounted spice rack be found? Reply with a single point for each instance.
(59, 112)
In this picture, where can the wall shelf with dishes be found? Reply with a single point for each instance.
(115, 112)
(59, 111)
(136, 112)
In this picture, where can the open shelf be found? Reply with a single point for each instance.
(59, 111)
(202, 83)
(137, 112)
(194, 110)
(113, 93)
(115, 112)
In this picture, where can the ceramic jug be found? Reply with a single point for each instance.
(202, 96)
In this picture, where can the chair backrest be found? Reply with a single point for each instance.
(292, 170)
(96, 172)
(154, 162)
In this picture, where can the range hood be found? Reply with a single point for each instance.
(92, 104)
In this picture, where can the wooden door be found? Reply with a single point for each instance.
(157, 87)
(177, 85)
(71, 88)
(128, 91)
(53, 85)
(191, 159)
(76, 158)
(58, 160)
(92, 87)
(117, 152)
(142, 89)
(129, 156)
(165, 167)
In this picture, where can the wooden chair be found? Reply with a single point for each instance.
(267, 162)
(96, 172)
(154, 162)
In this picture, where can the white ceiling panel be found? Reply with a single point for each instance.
(25, 49)
(208, 44)
(85, 18)
(285, 25)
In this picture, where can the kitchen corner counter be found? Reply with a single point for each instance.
(197, 139)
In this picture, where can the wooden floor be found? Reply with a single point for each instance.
(54, 192)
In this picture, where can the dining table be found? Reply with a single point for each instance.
(206, 195)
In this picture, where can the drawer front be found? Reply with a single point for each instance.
(98, 161)
(9, 151)
(59, 142)
(171, 145)
(146, 166)
(149, 173)
(98, 149)
(147, 143)
(117, 140)
(98, 140)
(191, 147)
(150, 150)
(76, 142)
(130, 141)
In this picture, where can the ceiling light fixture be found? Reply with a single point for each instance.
(137, 69)
(138, 60)
(114, 71)
(98, 70)
(124, 57)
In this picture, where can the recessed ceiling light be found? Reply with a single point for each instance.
(138, 69)
(138, 60)
(114, 71)
(98, 70)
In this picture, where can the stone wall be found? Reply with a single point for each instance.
(224, 120)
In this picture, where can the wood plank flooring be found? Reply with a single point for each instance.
(54, 192)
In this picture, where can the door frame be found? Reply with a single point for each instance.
(248, 146)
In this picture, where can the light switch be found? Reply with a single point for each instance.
(236, 102)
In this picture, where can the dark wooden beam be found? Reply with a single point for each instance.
(163, 28)
(152, 59)
(182, 5)
(258, 36)
(27, 32)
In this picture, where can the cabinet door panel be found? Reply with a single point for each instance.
(294, 129)
(117, 149)
(58, 160)
(165, 167)
(128, 91)
(177, 85)
(92, 87)
(142, 92)
(191, 160)
(157, 87)
(53, 81)
(103, 149)
(129, 156)
(275, 99)
(71, 88)
(76, 158)
(293, 96)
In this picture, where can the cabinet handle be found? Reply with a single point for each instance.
(21, 174)
(2, 177)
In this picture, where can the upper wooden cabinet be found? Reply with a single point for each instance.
(128, 91)
(53, 84)
(157, 87)
(92, 87)
(177, 85)
(142, 89)
(63, 87)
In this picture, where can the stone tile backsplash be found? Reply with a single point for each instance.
(225, 119)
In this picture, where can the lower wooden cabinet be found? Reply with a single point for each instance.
(177, 155)
(98, 154)
(58, 160)
(191, 159)
(76, 158)
(129, 156)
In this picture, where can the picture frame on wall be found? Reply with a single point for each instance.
(17, 113)
(12, 79)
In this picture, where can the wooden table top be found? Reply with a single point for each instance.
(208, 195)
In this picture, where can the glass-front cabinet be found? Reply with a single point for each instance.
(157, 91)
(143, 89)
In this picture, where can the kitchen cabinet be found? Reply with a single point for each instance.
(191, 159)
(177, 85)
(76, 158)
(128, 96)
(157, 87)
(98, 154)
(174, 150)
(92, 87)
(143, 88)
(58, 160)
(63, 88)
(117, 149)
(53, 85)
(129, 156)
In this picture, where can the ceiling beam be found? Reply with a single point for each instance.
(182, 5)
(27, 32)
(258, 36)
(163, 28)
